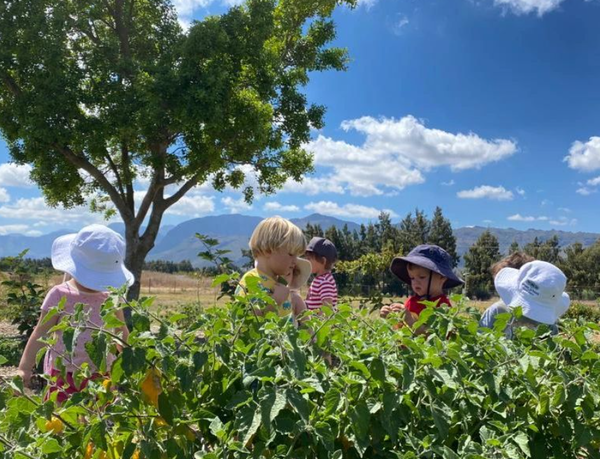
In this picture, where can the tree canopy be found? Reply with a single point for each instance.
(98, 95)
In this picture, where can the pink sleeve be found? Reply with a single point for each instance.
(52, 298)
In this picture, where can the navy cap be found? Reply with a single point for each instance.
(323, 248)
(429, 257)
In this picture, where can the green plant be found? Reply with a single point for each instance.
(257, 387)
(23, 296)
(11, 349)
(585, 312)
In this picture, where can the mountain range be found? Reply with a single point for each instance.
(178, 242)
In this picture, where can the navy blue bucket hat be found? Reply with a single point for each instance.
(429, 257)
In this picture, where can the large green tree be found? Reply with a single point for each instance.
(478, 261)
(440, 233)
(96, 94)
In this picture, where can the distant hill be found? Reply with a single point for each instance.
(178, 243)
(233, 232)
(466, 237)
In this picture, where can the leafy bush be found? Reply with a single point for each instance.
(24, 297)
(257, 387)
(11, 349)
(586, 312)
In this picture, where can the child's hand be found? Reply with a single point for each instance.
(388, 309)
(280, 293)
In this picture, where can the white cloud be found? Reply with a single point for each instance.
(584, 157)
(526, 218)
(347, 210)
(4, 196)
(546, 202)
(396, 152)
(539, 7)
(488, 221)
(235, 205)
(400, 24)
(498, 193)
(563, 221)
(36, 209)
(594, 181)
(565, 210)
(520, 191)
(585, 191)
(450, 183)
(15, 175)
(313, 186)
(18, 229)
(192, 205)
(367, 4)
(277, 207)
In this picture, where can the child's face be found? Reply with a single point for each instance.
(280, 262)
(317, 264)
(419, 281)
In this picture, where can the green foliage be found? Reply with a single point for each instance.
(23, 297)
(440, 233)
(478, 260)
(11, 349)
(97, 95)
(580, 265)
(584, 312)
(548, 250)
(256, 387)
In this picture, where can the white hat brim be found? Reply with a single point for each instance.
(62, 260)
(303, 270)
(507, 286)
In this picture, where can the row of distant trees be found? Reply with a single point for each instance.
(366, 253)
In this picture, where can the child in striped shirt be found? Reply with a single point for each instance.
(322, 255)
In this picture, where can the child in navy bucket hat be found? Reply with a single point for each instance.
(428, 270)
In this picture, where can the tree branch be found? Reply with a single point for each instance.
(82, 163)
(12, 85)
(187, 186)
(115, 170)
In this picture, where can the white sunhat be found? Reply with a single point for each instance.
(538, 287)
(94, 257)
(302, 272)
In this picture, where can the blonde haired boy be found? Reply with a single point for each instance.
(276, 244)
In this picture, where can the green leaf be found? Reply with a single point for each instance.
(272, 405)
(378, 370)
(134, 360)
(50, 446)
(256, 420)
(299, 403)
(112, 321)
(165, 407)
(333, 398)
(522, 442)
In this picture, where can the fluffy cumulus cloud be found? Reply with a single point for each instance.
(539, 7)
(274, 206)
(497, 193)
(192, 205)
(235, 205)
(36, 209)
(527, 218)
(347, 210)
(15, 175)
(396, 153)
(4, 196)
(584, 156)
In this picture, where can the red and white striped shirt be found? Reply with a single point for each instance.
(323, 287)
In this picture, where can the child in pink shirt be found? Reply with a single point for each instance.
(322, 255)
(93, 259)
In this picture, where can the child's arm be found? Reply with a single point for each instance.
(33, 346)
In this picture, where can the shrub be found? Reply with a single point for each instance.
(256, 387)
(587, 312)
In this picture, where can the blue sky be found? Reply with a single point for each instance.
(487, 108)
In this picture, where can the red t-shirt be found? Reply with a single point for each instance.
(413, 304)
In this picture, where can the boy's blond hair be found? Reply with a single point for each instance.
(274, 233)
